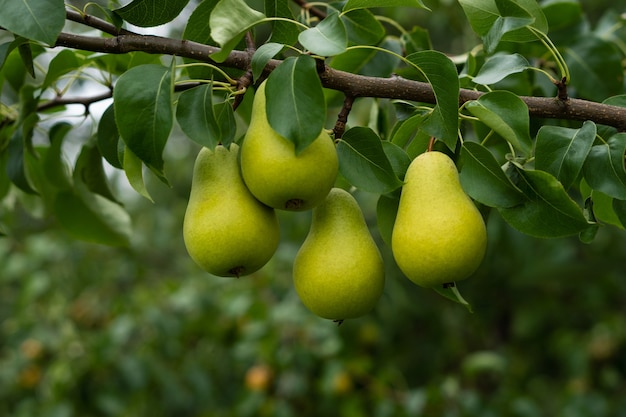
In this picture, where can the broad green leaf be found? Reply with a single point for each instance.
(283, 32)
(619, 207)
(386, 211)
(262, 56)
(603, 208)
(93, 218)
(195, 116)
(90, 171)
(26, 53)
(507, 115)
(362, 27)
(562, 14)
(441, 73)
(604, 168)
(484, 180)
(548, 211)
(363, 162)
(398, 158)
(502, 26)
(56, 169)
(225, 117)
(418, 39)
(143, 111)
(133, 168)
(562, 151)
(39, 20)
(483, 15)
(227, 30)
(368, 4)
(295, 101)
(149, 13)
(405, 130)
(64, 62)
(328, 38)
(197, 29)
(15, 166)
(108, 137)
(499, 66)
(596, 68)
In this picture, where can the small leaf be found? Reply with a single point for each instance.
(484, 180)
(363, 162)
(328, 38)
(225, 117)
(57, 171)
(499, 66)
(548, 211)
(398, 158)
(196, 118)
(619, 207)
(134, 173)
(296, 108)
(368, 4)
(562, 151)
(283, 32)
(501, 27)
(15, 167)
(451, 292)
(262, 56)
(507, 115)
(108, 137)
(39, 20)
(604, 168)
(442, 75)
(405, 130)
(362, 27)
(90, 171)
(197, 29)
(228, 31)
(143, 111)
(149, 13)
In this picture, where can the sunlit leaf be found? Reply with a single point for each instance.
(133, 168)
(500, 66)
(226, 30)
(328, 38)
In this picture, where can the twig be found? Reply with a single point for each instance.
(342, 117)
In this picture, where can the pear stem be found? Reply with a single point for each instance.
(431, 145)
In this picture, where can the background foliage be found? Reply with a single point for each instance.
(87, 329)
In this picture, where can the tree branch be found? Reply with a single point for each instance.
(350, 84)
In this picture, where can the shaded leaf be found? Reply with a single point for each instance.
(64, 62)
(484, 180)
(39, 20)
(108, 137)
(262, 56)
(195, 116)
(604, 168)
(386, 211)
(197, 29)
(293, 89)
(368, 4)
(363, 162)
(282, 32)
(148, 13)
(90, 171)
(133, 168)
(362, 27)
(562, 151)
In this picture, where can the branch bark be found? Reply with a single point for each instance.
(353, 85)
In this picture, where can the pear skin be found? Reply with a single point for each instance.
(338, 272)
(275, 174)
(227, 231)
(439, 235)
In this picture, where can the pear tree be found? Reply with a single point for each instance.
(533, 113)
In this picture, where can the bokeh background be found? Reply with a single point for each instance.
(88, 330)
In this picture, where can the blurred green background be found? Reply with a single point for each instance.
(87, 330)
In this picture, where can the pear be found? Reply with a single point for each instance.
(275, 174)
(439, 235)
(227, 231)
(338, 272)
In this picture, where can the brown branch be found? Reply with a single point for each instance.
(350, 84)
(342, 117)
(95, 23)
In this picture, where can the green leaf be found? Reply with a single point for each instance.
(484, 180)
(483, 15)
(405, 130)
(108, 137)
(328, 38)
(133, 167)
(262, 56)
(196, 118)
(596, 68)
(90, 171)
(362, 27)
(398, 158)
(368, 4)
(15, 167)
(283, 32)
(363, 162)
(197, 29)
(548, 211)
(26, 53)
(451, 292)
(386, 211)
(143, 111)
(619, 207)
(562, 151)
(39, 20)
(294, 89)
(604, 208)
(501, 27)
(226, 30)
(149, 13)
(56, 169)
(604, 168)
(507, 115)
(442, 75)
(64, 62)
(499, 66)
(225, 117)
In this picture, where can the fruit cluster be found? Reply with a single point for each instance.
(231, 229)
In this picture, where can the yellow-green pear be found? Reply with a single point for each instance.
(439, 235)
(226, 230)
(275, 174)
(338, 272)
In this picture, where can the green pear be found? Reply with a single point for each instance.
(226, 230)
(338, 272)
(439, 235)
(276, 174)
